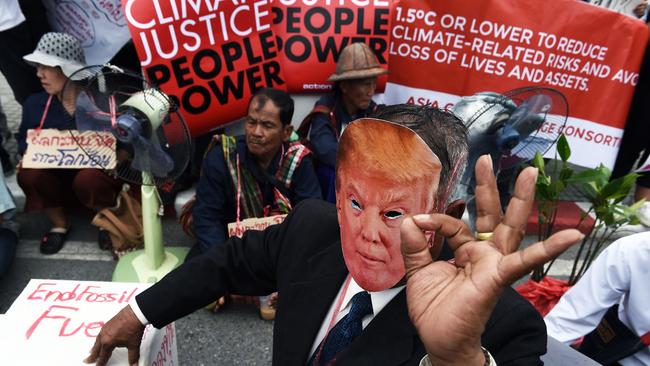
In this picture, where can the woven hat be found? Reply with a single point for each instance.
(59, 49)
(357, 61)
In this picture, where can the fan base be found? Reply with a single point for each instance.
(137, 267)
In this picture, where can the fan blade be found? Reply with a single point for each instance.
(89, 117)
(530, 115)
(149, 157)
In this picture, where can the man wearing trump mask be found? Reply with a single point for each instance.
(357, 280)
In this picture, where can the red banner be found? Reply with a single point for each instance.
(209, 56)
(312, 34)
(441, 50)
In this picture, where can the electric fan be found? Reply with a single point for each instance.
(153, 149)
(511, 128)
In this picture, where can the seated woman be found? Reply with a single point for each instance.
(53, 191)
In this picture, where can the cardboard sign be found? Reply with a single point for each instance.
(55, 322)
(98, 24)
(208, 56)
(254, 223)
(69, 149)
(440, 51)
(312, 33)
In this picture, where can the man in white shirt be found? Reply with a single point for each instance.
(341, 271)
(620, 275)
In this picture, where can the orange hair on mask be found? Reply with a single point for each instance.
(385, 150)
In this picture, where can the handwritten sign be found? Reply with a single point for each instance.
(255, 223)
(55, 322)
(66, 149)
(99, 25)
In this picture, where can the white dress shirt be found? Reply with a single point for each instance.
(620, 275)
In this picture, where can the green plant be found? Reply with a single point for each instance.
(610, 214)
(547, 194)
(604, 196)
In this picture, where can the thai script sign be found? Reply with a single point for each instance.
(69, 149)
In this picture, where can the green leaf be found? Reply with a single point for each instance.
(586, 176)
(619, 188)
(636, 206)
(538, 162)
(563, 148)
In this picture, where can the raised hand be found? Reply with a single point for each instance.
(123, 330)
(449, 304)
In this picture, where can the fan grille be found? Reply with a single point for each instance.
(99, 96)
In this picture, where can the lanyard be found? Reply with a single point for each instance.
(44, 115)
(337, 309)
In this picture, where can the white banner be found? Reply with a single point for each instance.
(55, 322)
(98, 24)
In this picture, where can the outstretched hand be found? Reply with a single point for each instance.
(449, 303)
(123, 330)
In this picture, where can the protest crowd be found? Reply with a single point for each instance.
(327, 173)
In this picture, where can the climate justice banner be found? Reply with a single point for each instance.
(312, 33)
(442, 50)
(209, 56)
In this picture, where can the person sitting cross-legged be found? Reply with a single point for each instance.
(255, 175)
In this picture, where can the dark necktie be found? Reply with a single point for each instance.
(348, 328)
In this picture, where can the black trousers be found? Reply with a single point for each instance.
(18, 42)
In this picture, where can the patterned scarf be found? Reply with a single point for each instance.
(248, 194)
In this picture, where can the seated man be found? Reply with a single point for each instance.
(618, 276)
(254, 175)
(355, 81)
(349, 292)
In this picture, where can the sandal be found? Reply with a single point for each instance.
(53, 241)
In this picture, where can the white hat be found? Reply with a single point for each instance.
(59, 49)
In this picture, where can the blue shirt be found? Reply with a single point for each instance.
(57, 117)
(215, 205)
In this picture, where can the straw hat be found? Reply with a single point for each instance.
(59, 49)
(357, 61)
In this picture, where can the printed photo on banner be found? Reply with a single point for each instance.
(442, 51)
(312, 33)
(99, 25)
(208, 56)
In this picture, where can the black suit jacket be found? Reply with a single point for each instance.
(303, 261)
